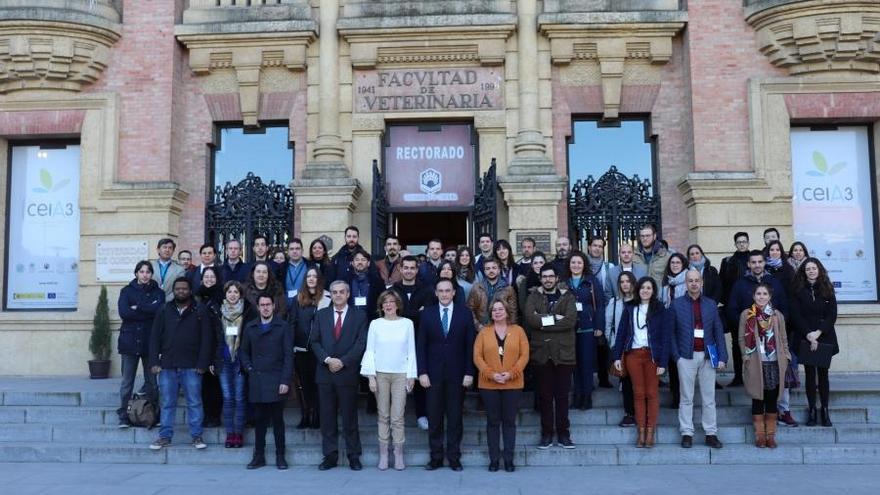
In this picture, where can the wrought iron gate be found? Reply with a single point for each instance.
(379, 223)
(247, 209)
(485, 214)
(614, 207)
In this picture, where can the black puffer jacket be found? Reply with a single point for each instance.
(138, 305)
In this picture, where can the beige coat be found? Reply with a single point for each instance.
(753, 375)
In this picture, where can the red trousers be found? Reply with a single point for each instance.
(645, 381)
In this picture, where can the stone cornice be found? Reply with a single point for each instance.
(816, 36)
(52, 55)
(612, 46)
(484, 45)
(248, 55)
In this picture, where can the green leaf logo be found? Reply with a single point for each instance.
(48, 184)
(821, 166)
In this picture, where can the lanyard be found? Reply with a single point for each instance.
(292, 279)
(163, 270)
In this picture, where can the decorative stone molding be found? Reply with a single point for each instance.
(614, 48)
(52, 55)
(484, 45)
(818, 35)
(249, 56)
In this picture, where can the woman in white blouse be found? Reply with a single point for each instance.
(390, 365)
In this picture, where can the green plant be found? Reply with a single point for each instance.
(99, 343)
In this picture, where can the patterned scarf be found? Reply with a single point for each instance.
(775, 263)
(232, 317)
(795, 263)
(760, 324)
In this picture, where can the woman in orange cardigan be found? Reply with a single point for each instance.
(501, 352)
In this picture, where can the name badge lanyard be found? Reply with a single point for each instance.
(292, 279)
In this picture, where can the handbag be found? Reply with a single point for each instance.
(820, 358)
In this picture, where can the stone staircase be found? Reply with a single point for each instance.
(74, 420)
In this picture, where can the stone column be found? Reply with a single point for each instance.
(328, 155)
(531, 187)
(326, 194)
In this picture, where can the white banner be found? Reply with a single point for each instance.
(833, 211)
(43, 243)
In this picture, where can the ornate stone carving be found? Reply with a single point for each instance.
(612, 47)
(248, 55)
(52, 55)
(818, 35)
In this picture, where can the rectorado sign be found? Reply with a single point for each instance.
(430, 167)
(477, 88)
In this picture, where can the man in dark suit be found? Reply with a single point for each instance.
(209, 258)
(339, 343)
(444, 351)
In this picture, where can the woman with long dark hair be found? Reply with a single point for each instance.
(210, 294)
(626, 288)
(590, 326)
(262, 281)
(504, 254)
(797, 254)
(320, 259)
(446, 271)
(697, 260)
(778, 266)
(764, 347)
(814, 313)
(464, 269)
(309, 299)
(643, 343)
(674, 286)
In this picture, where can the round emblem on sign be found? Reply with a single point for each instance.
(430, 181)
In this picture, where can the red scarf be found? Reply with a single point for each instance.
(761, 324)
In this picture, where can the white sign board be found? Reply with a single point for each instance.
(43, 246)
(115, 260)
(833, 211)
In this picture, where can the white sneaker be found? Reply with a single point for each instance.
(423, 423)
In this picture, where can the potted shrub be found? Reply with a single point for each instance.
(99, 342)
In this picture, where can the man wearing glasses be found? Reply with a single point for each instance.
(733, 268)
(651, 254)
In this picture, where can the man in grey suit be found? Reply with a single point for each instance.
(340, 338)
(165, 270)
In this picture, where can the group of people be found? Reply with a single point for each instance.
(239, 337)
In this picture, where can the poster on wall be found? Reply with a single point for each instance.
(430, 166)
(43, 243)
(833, 211)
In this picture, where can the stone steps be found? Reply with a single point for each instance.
(472, 456)
(526, 435)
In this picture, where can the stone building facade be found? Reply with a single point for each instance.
(143, 86)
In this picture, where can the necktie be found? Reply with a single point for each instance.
(445, 321)
(337, 329)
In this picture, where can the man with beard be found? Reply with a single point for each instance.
(428, 270)
(342, 259)
(389, 266)
(652, 254)
(560, 262)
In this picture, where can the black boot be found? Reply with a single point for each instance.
(826, 419)
(280, 461)
(258, 461)
(315, 423)
(576, 401)
(811, 418)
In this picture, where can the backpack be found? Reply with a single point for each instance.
(142, 412)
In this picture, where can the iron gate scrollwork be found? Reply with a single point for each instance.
(379, 211)
(249, 208)
(485, 214)
(614, 207)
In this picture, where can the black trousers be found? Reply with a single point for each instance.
(768, 405)
(305, 365)
(341, 400)
(212, 397)
(445, 399)
(603, 356)
(674, 384)
(824, 387)
(629, 403)
(264, 413)
(420, 397)
(554, 385)
(501, 409)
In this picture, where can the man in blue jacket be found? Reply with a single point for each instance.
(697, 341)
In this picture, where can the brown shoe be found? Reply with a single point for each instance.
(649, 437)
(760, 437)
(399, 463)
(640, 443)
(770, 425)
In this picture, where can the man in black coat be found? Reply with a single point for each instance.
(180, 352)
(342, 259)
(267, 358)
(340, 339)
(444, 351)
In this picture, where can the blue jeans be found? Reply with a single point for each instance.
(232, 384)
(129, 363)
(170, 381)
(585, 352)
